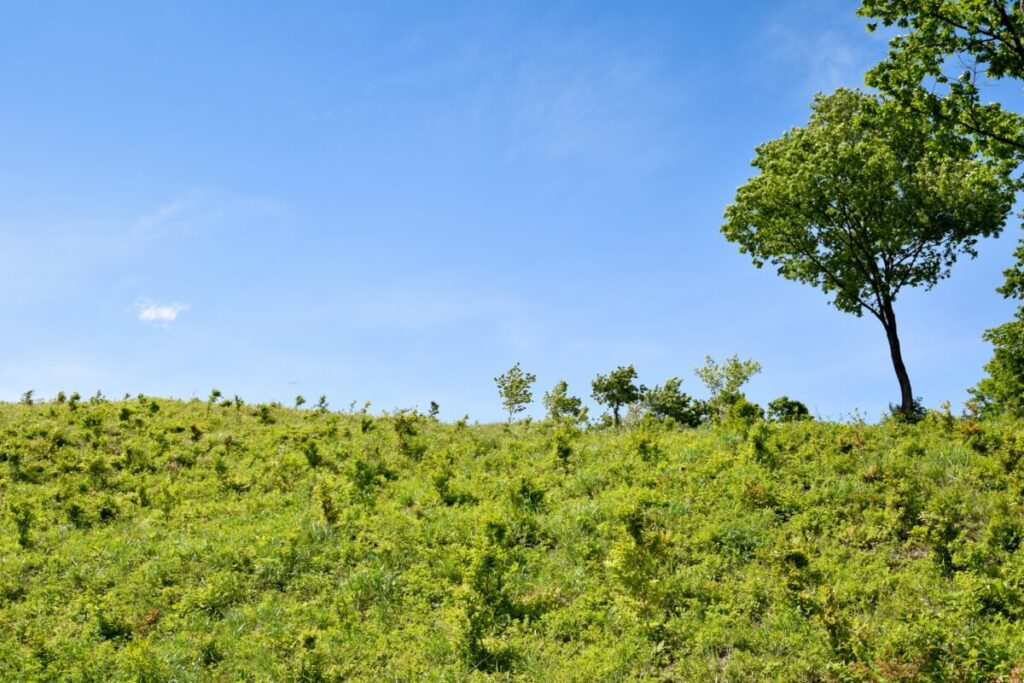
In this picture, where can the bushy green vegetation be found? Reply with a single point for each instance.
(160, 540)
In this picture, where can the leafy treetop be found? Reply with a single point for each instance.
(724, 380)
(670, 401)
(944, 55)
(616, 389)
(865, 200)
(561, 405)
(785, 409)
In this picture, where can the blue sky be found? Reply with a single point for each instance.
(395, 202)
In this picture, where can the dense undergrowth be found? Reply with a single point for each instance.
(159, 540)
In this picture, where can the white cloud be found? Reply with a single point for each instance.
(582, 99)
(159, 313)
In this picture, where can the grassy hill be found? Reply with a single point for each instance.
(160, 540)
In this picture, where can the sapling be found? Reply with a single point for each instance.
(514, 389)
(724, 381)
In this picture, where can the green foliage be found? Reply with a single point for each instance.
(724, 380)
(742, 411)
(1013, 288)
(562, 406)
(349, 546)
(514, 389)
(22, 515)
(916, 413)
(938, 64)
(616, 389)
(866, 199)
(669, 401)
(941, 58)
(1002, 390)
(785, 409)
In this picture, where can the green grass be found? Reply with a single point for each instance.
(157, 540)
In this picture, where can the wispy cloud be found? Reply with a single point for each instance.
(430, 309)
(826, 60)
(159, 313)
(578, 101)
(202, 209)
(819, 47)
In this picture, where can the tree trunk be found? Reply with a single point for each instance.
(906, 393)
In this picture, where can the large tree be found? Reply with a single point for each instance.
(943, 62)
(866, 199)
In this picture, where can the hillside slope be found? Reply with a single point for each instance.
(160, 540)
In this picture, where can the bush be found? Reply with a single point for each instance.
(784, 409)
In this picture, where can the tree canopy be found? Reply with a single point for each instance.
(616, 389)
(562, 406)
(670, 401)
(514, 389)
(785, 409)
(723, 381)
(946, 51)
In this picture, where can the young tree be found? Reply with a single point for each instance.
(724, 381)
(868, 198)
(514, 389)
(561, 405)
(616, 389)
(670, 401)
